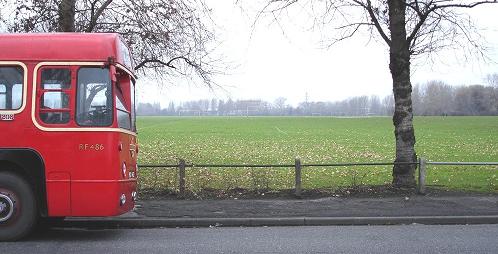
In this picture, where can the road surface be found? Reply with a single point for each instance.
(333, 239)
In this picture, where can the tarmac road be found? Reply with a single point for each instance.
(332, 239)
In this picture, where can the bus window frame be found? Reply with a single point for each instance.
(72, 129)
(24, 87)
(70, 91)
(133, 106)
(113, 103)
(132, 77)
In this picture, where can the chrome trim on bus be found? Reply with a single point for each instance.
(10, 205)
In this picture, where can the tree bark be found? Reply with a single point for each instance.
(67, 10)
(399, 54)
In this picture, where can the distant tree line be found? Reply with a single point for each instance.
(432, 98)
(438, 98)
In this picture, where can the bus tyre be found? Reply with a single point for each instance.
(18, 209)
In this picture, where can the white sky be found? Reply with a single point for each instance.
(292, 62)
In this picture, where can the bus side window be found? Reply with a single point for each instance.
(55, 99)
(3, 96)
(11, 87)
(123, 102)
(17, 95)
(123, 115)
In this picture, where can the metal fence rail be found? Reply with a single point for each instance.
(422, 165)
(463, 163)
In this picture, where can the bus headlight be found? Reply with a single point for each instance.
(122, 200)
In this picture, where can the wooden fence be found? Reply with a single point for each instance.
(298, 166)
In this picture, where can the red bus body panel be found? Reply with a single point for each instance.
(83, 168)
(60, 46)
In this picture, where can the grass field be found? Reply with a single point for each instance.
(268, 140)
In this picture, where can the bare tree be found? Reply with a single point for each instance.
(375, 106)
(171, 37)
(280, 104)
(408, 28)
(417, 97)
(492, 80)
(438, 98)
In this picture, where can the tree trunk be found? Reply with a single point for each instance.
(403, 175)
(67, 9)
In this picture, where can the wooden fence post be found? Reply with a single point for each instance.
(298, 177)
(421, 175)
(181, 176)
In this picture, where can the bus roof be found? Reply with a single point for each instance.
(64, 47)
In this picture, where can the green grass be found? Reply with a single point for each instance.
(269, 140)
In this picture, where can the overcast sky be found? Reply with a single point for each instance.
(290, 61)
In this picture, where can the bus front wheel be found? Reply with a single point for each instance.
(18, 209)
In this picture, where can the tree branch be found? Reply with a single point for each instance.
(95, 15)
(423, 15)
(472, 5)
(373, 17)
(420, 23)
(167, 64)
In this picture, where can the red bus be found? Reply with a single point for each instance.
(68, 142)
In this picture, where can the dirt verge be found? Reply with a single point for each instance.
(376, 191)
